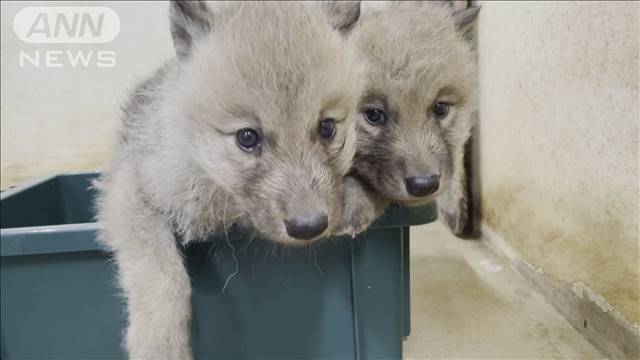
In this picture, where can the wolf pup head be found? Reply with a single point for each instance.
(268, 101)
(418, 100)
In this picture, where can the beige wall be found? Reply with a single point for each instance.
(558, 140)
(58, 119)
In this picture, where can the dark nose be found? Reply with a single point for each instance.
(420, 186)
(306, 228)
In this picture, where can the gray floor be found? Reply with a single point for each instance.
(467, 303)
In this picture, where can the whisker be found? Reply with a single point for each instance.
(233, 249)
(315, 262)
(245, 246)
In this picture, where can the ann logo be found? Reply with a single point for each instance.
(78, 26)
(66, 24)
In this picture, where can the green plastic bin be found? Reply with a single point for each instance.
(341, 299)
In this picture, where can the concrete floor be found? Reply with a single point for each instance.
(467, 303)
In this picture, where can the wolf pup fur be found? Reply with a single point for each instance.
(417, 110)
(253, 123)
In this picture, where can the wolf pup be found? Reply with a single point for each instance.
(417, 111)
(253, 123)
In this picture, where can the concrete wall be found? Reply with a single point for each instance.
(59, 119)
(558, 141)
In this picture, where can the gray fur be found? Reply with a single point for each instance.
(416, 55)
(190, 21)
(177, 173)
(465, 17)
(343, 15)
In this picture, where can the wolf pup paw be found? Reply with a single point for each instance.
(361, 208)
(455, 214)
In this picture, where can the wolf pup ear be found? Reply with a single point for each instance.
(465, 18)
(342, 14)
(189, 22)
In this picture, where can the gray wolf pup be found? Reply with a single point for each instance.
(417, 111)
(253, 123)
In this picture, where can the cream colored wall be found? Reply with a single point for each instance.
(558, 140)
(59, 119)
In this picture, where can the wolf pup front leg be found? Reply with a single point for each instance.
(137, 215)
(151, 272)
(361, 207)
(453, 204)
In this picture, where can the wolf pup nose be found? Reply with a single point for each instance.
(307, 227)
(420, 186)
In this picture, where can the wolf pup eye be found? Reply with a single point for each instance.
(247, 139)
(375, 117)
(440, 109)
(327, 128)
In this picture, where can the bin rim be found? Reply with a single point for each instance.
(49, 239)
(25, 185)
(77, 237)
